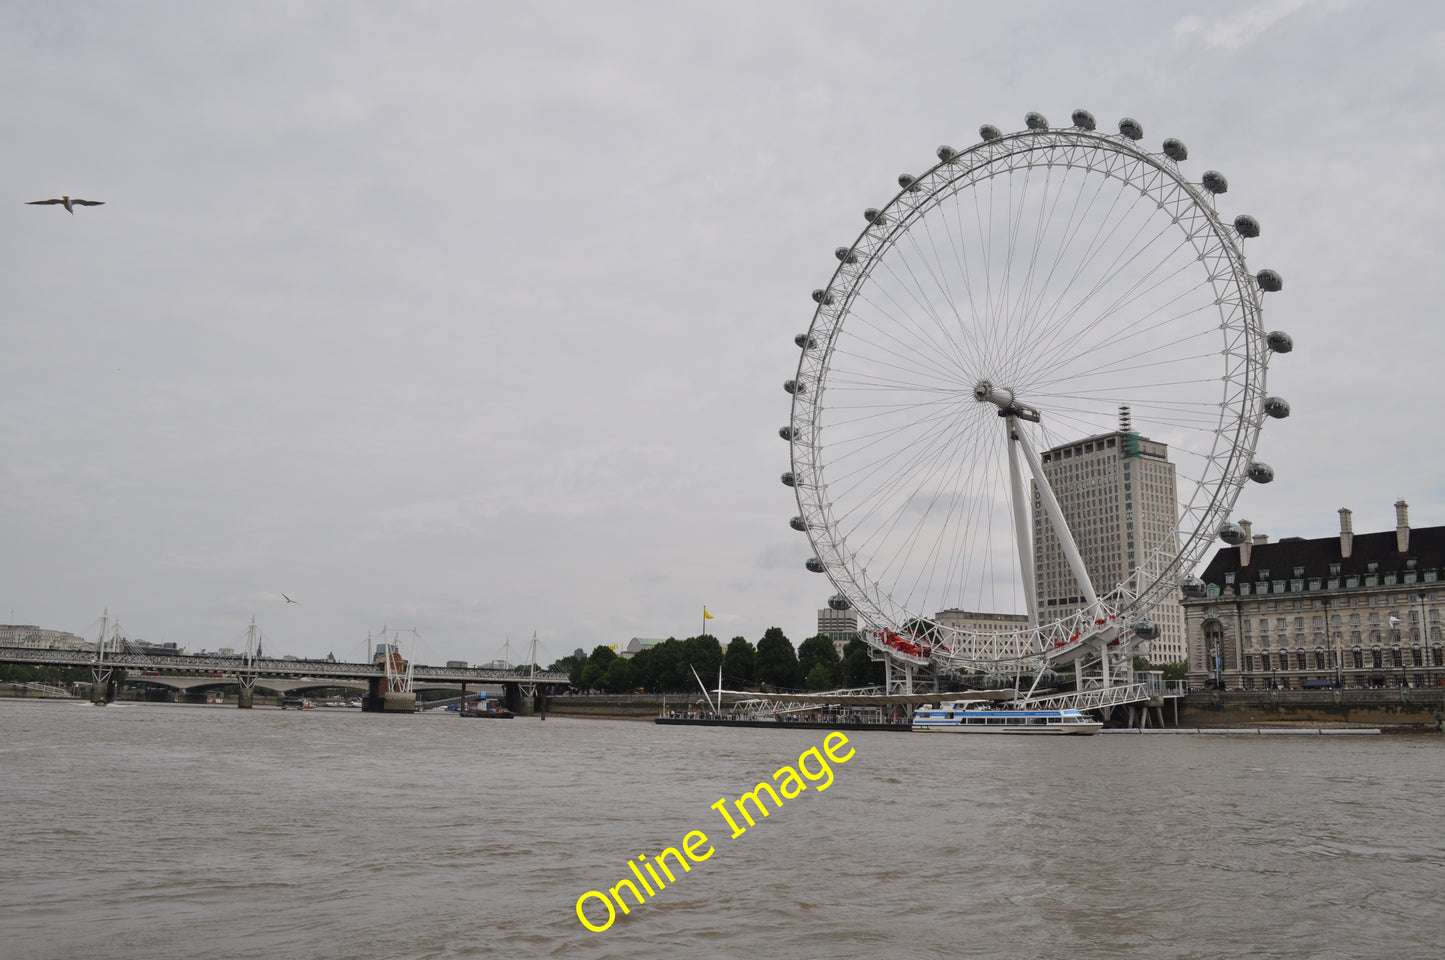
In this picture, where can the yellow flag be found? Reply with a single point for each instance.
(706, 615)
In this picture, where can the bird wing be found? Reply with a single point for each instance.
(89, 203)
(44, 201)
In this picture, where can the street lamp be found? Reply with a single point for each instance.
(1424, 635)
(1395, 636)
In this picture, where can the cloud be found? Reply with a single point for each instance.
(476, 317)
(1236, 29)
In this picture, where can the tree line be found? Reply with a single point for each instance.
(43, 673)
(774, 664)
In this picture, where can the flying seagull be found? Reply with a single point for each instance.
(287, 599)
(67, 202)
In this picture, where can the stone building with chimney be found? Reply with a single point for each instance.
(1351, 610)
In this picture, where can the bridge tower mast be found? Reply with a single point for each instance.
(246, 676)
(100, 671)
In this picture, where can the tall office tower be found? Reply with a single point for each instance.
(840, 626)
(1117, 493)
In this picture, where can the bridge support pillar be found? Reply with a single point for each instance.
(246, 690)
(372, 703)
(522, 706)
(394, 701)
(380, 700)
(102, 691)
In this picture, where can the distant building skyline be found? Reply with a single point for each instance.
(40, 638)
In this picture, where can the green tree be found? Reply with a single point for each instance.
(669, 667)
(705, 655)
(643, 670)
(820, 677)
(776, 663)
(1173, 670)
(617, 679)
(818, 651)
(858, 669)
(574, 673)
(592, 675)
(738, 662)
(602, 655)
(589, 676)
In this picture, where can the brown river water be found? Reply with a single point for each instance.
(167, 831)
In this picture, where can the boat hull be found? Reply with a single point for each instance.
(975, 716)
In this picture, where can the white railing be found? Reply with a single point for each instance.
(1094, 699)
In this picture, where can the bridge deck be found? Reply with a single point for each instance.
(270, 667)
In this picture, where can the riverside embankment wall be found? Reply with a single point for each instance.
(611, 707)
(1406, 709)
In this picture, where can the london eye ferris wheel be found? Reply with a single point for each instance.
(1009, 299)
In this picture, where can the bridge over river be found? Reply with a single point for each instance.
(390, 684)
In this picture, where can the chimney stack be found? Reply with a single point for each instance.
(1402, 525)
(1347, 533)
(1247, 546)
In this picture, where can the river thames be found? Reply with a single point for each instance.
(167, 831)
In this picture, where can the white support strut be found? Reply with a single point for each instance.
(1056, 517)
(1021, 524)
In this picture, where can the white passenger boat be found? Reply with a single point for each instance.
(981, 716)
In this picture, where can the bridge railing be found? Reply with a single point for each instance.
(45, 690)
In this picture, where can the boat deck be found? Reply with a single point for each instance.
(898, 726)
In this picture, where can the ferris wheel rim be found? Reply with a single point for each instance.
(1097, 154)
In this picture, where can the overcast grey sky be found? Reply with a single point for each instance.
(474, 317)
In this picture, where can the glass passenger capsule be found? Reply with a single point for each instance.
(1231, 533)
